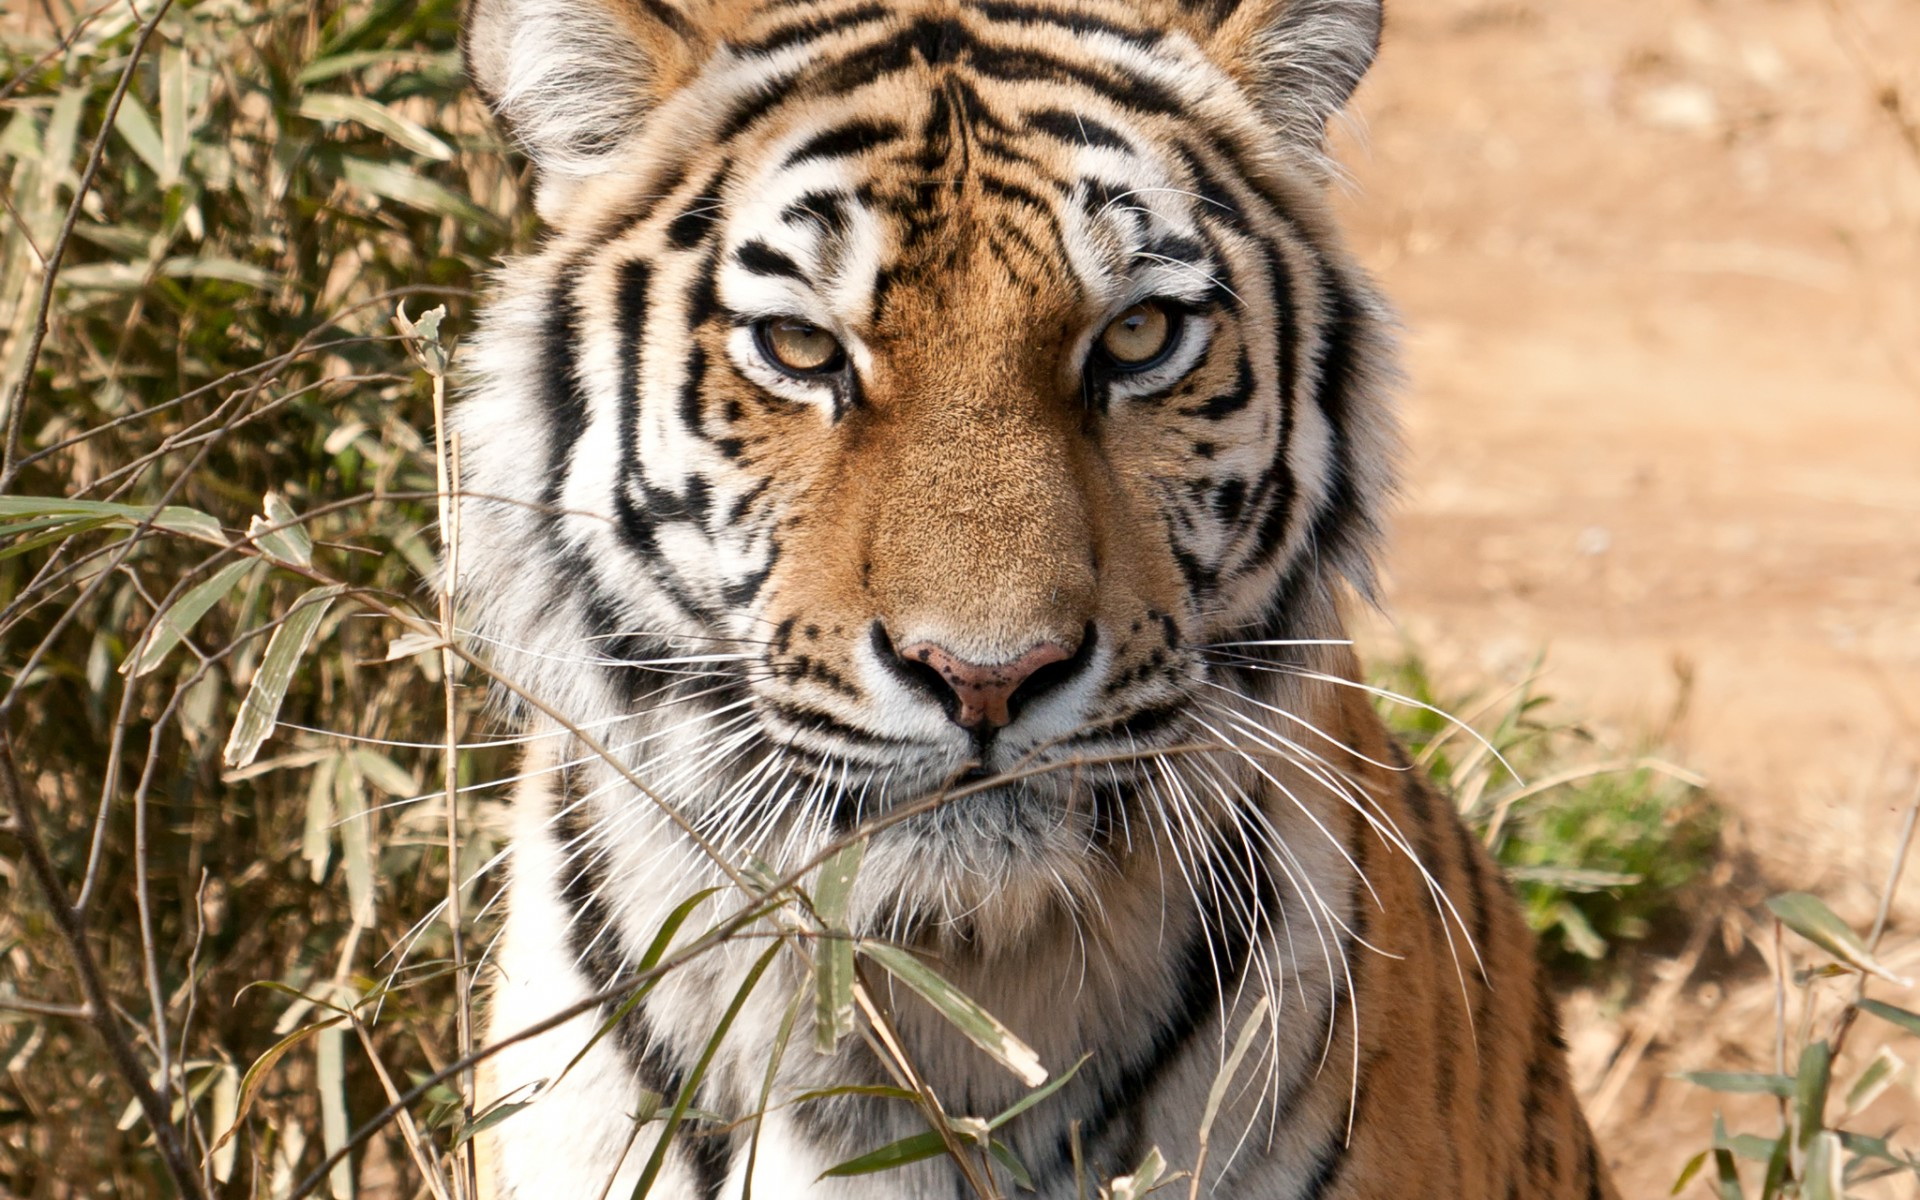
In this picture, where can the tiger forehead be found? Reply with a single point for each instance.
(941, 185)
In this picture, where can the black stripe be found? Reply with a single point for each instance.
(1072, 22)
(563, 396)
(842, 141)
(1075, 129)
(762, 259)
(813, 27)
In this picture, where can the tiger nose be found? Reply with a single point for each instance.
(986, 692)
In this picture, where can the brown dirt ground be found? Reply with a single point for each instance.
(1659, 265)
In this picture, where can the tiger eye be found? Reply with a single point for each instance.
(800, 347)
(1139, 335)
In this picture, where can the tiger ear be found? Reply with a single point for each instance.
(1301, 58)
(573, 80)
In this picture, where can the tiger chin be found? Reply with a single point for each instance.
(959, 421)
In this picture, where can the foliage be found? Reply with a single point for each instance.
(1818, 1149)
(1600, 847)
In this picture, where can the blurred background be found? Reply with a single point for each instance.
(1659, 264)
(1659, 267)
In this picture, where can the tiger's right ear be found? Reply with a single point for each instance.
(573, 80)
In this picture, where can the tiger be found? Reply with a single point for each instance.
(958, 425)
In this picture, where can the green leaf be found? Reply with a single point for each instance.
(1874, 1079)
(320, 70)
(1810, 1091)
(216, 267)
(1726, 1173)
(833, 971)
(1807, 916)
(884, 1091)
(170, 627)
(1909, 1021)
(1689, 1171)
(334, 106)
(1143, 1179)
(415, 191)
(1014, 1166)
(1742, 1082)
(487, 1120)
(190, 522)
(981, 1027)
(57, 531)
(269, 688)
(280, 535)
(662, 938)
(135, 126)
(651, 1171)
(1038, 1094)
(918, 1147)
(1824, 1162)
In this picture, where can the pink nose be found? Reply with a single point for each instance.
(983, 691)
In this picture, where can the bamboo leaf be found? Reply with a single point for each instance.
(332, 107)
(981, 1027)
(256, 1075)
(56, 531)
(1909, 1021)
(1807, 916)
(415, 191)
(1740, 1082)
(226, 1109)
(190, 522)
(228, 270)
(1688, 1172)
(1218, 1092)
(173, 114)
(330, 1067)
(833, 971)
(280, 535)
(269, 688)
(1879, 1073)
(1012, 1163)
(1810, 1092)
(1038, 1094)
(662, 938)
(356, 837)
(1143, 1179)
(651, 1171)
(913, 1149)
(172, 626)
(487, 1120)
(135, 126)
(1825, 1158)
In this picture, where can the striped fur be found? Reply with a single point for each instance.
(712, 565)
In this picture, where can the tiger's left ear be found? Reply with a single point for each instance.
(1301, 58)
(575, 80)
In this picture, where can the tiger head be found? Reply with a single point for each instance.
(917, 397)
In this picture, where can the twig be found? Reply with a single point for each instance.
(1843, 1023)
(166, 1137)
(446, 465)
(41, 1008)
(16, 404)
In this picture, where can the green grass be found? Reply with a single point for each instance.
(1602, 843)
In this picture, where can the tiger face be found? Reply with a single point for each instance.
(914, 395)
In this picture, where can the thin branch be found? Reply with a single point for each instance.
(173, 1150)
